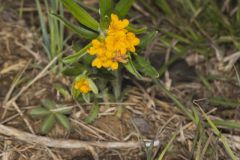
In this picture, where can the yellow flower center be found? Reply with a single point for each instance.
(113, 49)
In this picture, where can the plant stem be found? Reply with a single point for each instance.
(117, 86)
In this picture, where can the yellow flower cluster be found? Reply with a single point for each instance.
(82, 85)
(114, 47)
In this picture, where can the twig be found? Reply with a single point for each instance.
(60, 143)
(88, 129)
(24, 119)
(34, 54)
(10, 118)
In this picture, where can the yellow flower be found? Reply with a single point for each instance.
(132, 41)
(113, 49)
(117, 42)
(114, 66)
(97, 62)
(107, 63)
(117, 24)
(82, 85)
(98, 47)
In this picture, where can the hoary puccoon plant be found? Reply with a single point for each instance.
(114, 46)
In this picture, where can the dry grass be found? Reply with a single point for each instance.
(151, 113)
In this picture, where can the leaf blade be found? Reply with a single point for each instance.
(63, 120)
(122, 7)
(73, 58)
(93, 114)
(131, 68)
(81, 15)
(135, 30)
(145, 67)
(48, 124)
(106, 7)
(93, 86)
(48, 103)
(39, 112)
(80, 31)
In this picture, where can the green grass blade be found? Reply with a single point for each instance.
(175, 100)
(222, 138)
(205, 82)
(220, 101)
(43, 27)
(230, 124)
(58, 35)
(167, 146)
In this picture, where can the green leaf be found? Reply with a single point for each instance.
(93, 86)
(62, 90)
(122, 7)
(63, 120)
(62, 109)
(131, 68)
(74, 70)
(39, 112)
(93, 114)
(135, 30)
(147, 39)
(48, 103)
(48, 124)
(86, 97)
(82, 32)
(81, 15)
(104, 23)
(75, 57)
(81, 76)
(146, 68)
(75, 92)
(106, 7)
